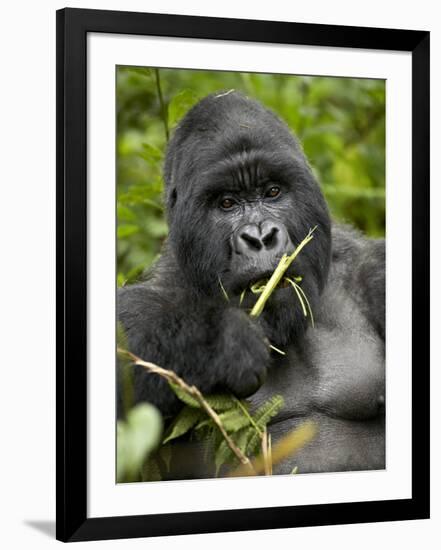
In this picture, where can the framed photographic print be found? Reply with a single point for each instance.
(242, 274)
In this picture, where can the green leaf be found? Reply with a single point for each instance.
(179, 105)
(243, 437)
(206, 423)
(126, 230)
(136, 438)
(262, 416)
(268, 410)
(134, 273)
(156, 227)
(184, 397)
(221, 402)
(124, 214)
(184, 421)
(121, 338)
(146, 192)
(234, 420)
(151, 154)
(224, 455)
(141, 71)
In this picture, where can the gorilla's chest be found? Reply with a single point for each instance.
(338, 370)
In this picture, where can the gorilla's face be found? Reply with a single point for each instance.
(239, 197)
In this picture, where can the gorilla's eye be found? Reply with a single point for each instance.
(273, 192)
(227, 203)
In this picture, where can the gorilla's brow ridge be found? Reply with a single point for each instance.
(248, 170)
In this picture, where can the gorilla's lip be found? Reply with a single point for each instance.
(262, 282)
(246, 282)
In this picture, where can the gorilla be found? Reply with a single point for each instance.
(239, 194)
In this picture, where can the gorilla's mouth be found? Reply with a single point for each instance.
(258, 286)
(265, 287)
(255, 284)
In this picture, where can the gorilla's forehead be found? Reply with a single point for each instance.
(250, 170)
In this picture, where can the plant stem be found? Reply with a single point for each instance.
(164, 110)
(278, 274)
(265, 455)
(249, 417)
(277, 350)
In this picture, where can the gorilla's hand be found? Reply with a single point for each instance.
(245, 351)
(215, 347)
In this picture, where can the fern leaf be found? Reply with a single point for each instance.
(233, 420)
(243, 437)
(252, 444)
(224, 455)
(268, 410)
(221, 402)
(262, 416)
(184, 421)
(184, 397)
(204, 424)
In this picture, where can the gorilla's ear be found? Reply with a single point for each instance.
(173, 197)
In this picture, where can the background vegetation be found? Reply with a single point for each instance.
(340, 122)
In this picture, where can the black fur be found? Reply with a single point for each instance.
(230, 146)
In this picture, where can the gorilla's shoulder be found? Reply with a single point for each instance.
(156, 291)
(359, 263)
(349, 245)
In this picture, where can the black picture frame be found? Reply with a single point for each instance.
(71, 428)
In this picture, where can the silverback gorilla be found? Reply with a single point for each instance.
(239, 194)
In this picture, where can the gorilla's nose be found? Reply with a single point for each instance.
(269, 236)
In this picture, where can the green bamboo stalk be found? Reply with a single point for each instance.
(278, 274)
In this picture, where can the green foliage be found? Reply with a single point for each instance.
(339, 121)
(184, 397)
(179, 105)
(243, 427)
(186, 419)
(140, 458)
(137, 436)
(268, 410)
(247, 437)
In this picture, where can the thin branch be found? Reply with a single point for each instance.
(164, 111)
(249, 417)
(270, 454)
(265, 455)
(277, 350)
(192, 391)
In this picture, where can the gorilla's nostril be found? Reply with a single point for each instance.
(270, 238)
(252, 242)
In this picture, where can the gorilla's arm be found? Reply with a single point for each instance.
(370, 278)
(360, 264)
(212, 346)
